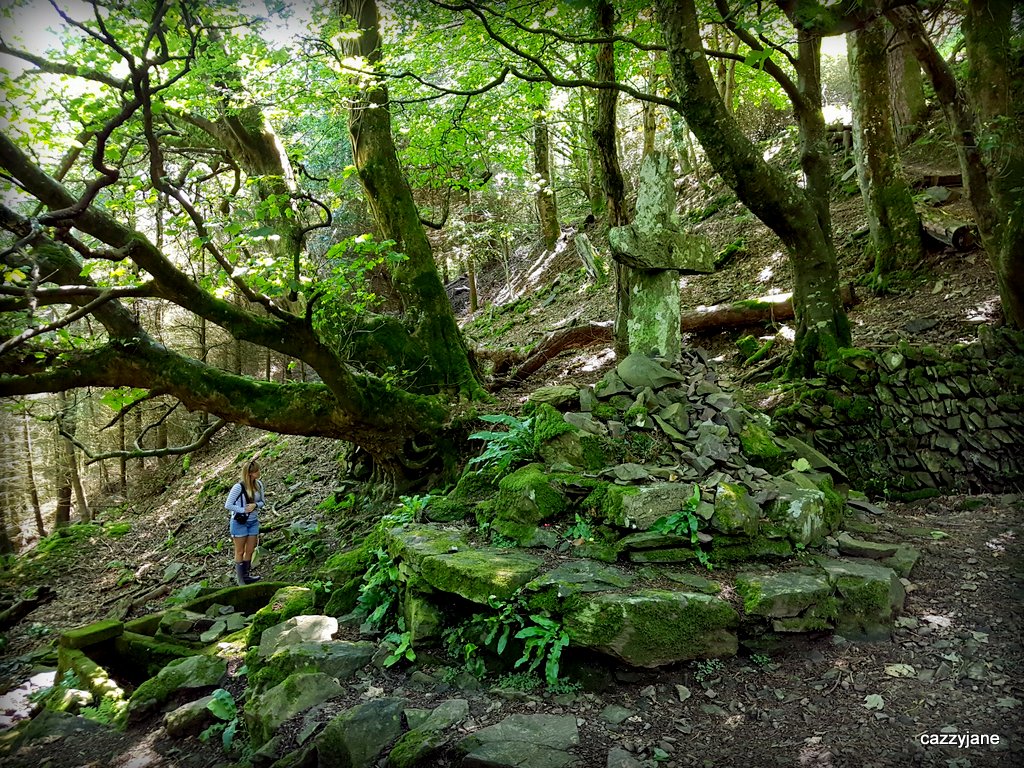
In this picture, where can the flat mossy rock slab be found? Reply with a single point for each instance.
(653, 627)
(414, 543)
(694, 581)
(903, 561)
(870, 596)
(557, 396)
(873, 550)
(476, 574)
(193, 672)
(781, 595)
(298, 629)
(188, 719)
(523, 741)
(92, 634)
(340, 659)
(582, 576)
(357, 737)
(295, 694)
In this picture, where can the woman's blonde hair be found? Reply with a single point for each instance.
(246, 479)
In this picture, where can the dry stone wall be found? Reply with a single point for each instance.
(911, 421)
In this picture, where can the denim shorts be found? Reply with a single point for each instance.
(250, 528)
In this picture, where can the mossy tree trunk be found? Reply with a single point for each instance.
(986, 120)
(895, 228)
(547, 206)
(428, 318)
(798, 216)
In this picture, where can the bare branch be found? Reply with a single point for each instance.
(203, 440)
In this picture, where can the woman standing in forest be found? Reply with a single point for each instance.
(245, 500)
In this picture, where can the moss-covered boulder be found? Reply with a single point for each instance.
(286, 603)
(473, 487)
(759, 447)
(357, 737)
(314, 628)
(423, 619)
(527, 496)
(639, 506)
(870, 597)
(806, 509)
(345, 571)
(295, 694)
(476, 574)
(653, 627)
(339, 659)
(735, 511)
(428, 735)
(195, 672)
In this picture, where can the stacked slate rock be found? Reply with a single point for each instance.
(910, 421)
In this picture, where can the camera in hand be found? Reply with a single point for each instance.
(241, 517)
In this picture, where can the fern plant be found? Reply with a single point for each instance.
(503, 449)
(545, 640)
(685, 523)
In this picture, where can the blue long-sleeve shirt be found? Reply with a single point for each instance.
(236, 498)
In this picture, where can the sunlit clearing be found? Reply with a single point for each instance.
(765, 275)
(837, 113)
(787, 333)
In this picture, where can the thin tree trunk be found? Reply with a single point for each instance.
(11, 496)
(681, 142)
(598, 201)
(650, 114)
(30, 480)
(547, 209)
(69, 420)
(471, 279)
(906, 88)
(895, 229)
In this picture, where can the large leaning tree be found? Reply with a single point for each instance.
(141, 167)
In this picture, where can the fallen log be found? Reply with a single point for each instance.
(22, 608)
(947, 229)
(752, 312)
(512, 366)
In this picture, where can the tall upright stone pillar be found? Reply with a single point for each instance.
(654, 253)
